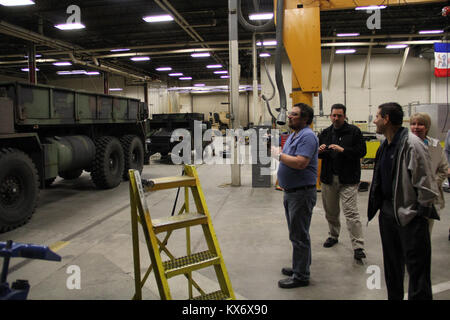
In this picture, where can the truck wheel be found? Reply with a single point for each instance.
(133, 151)
(19, 188)
(107, 168)
(71, 174)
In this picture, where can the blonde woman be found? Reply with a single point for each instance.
(420, 124)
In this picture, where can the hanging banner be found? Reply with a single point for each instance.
(441, 59)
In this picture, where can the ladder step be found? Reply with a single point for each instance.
(217, 295)
(179, 221)
(168, 183)
(190, 263)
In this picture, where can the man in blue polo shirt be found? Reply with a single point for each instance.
(297, 175)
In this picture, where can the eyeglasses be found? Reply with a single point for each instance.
(293, 114)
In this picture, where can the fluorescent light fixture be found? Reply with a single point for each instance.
(345, 51)
(27, 69)
(160, 18)
(261, 16)
(119, 50)
(12, 3)
(214, 66)
(92, 73)
(62, 63)
(140, 58)
(115, 89)
(370, 8)
(431, 31)
(221, 72)
(200, 54)
(78, 71)
(267, 43)
(396, 46)
(264, 54)
(163, 69)
(199, 85)
(37, 56)
(185, 78)
(176, 74)
(63, 73)
(70, 26)
(355, 34)
(224, 77)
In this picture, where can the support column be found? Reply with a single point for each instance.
(255, 78)
(32, 76)
(105, 83)
(234, 85)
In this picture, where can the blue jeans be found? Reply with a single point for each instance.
(298, 207)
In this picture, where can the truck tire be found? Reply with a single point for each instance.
(133, 152)
(19, 188)
(71, 174)
(107, 168)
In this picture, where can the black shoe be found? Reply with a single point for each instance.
(287, 272)
(330, 242)
(359, 254)
(289, 283)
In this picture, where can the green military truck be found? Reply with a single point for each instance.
(47, 132)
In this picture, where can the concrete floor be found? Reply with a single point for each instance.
(91, 229)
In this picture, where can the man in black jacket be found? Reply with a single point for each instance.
(341, 148)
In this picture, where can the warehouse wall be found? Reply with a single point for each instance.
(417, 85)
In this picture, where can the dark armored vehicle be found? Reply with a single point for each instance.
(163, 125)
(47, 132)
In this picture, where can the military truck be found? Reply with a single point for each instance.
(162, 126)
(47, 132)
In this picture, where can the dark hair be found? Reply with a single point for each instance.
(394, 110)
(305, 112)
(338, 106)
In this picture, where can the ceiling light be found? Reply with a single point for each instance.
(140, 58)
(264, 54)
(344, 51)
(163, 69)
(185, 78)
(62, 63)
(160, 18)
(430, 31)
(370, 8)
(70, 26)
(261, 16)
(119, 50)
(396, 46)
(221, 72)
(224, 77)
(199, 85)
(115, 89)
(214, 66)
(92, 73)
(355, 34)
(176, 74)
(267, 43)
(37, 56)
(63, 73)
(11, 3)
(78, 71)
(27, 69)
(200, 54)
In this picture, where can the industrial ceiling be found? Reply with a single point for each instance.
(199, 24)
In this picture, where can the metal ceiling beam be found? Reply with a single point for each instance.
(405, 56)
(37, 38)
(369, 55)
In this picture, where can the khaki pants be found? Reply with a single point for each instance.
(347, 193)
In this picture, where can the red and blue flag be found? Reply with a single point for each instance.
(441, 59)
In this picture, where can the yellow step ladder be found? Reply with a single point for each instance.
(184, 220)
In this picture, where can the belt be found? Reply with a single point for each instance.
(300, 188)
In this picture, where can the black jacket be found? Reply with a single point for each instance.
(348, 162)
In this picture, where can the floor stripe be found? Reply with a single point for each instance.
(58, 245)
